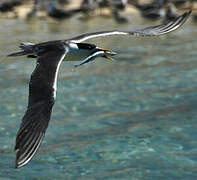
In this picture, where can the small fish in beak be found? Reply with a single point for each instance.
(99, 53)
(108, 54)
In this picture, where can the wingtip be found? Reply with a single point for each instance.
(16, 165)
(187, 14)
(17, 162)
(20, 162)
(190, 11)
(21, 53)
(19, 165)
(10, 55)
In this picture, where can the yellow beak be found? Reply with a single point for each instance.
(107, 52)
(110, 58)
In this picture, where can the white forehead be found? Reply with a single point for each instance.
(73, 46)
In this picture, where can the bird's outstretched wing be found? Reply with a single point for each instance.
(42, 91)
(149, 31)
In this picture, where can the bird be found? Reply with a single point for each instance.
(171, 12)
(87, 8)
(43, 81)
(152, 11)
(57, 13)
(9, 5)
(117, 6)
(32, 12)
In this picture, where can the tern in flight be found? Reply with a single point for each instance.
(43, 82)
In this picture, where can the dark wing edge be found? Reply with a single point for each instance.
(149, 31)
(163, 28)
(31, 132)
(36, 119)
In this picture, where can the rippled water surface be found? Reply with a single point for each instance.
(133, 118)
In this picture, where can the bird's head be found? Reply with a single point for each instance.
(98, 52)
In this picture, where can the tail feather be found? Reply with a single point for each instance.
(26, 47)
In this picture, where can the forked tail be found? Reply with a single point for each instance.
(26, 49)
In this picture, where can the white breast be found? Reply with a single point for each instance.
(76, 54)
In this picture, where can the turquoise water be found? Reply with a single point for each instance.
(133, 118)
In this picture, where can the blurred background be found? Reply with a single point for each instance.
(132, 118)
(88, 9)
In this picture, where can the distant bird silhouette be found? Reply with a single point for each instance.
(171, 12)
(182, 3)
(87, 8)
(153, 10)
(33, 11)
(64, 2)
(117, 6)
(59, 14)
(9, 5)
